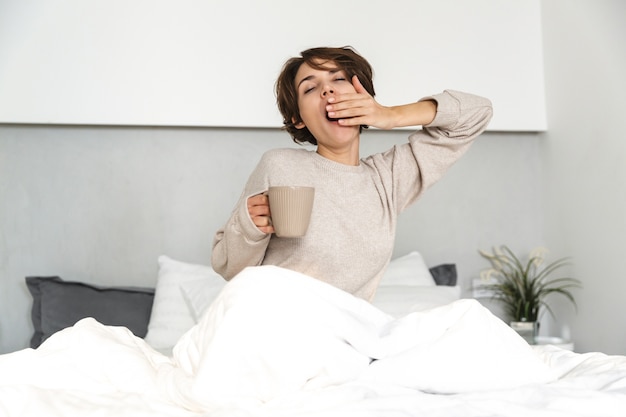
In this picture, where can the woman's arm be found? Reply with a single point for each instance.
(243, 240)
(238, 244)
(432, 150)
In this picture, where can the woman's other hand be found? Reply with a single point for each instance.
(259, 210)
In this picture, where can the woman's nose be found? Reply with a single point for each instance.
(327, 90)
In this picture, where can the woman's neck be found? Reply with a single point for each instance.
(348, 155)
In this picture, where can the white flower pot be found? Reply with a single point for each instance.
(529, 330)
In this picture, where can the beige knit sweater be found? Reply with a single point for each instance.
(351, 235)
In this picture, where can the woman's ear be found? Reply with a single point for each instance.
(298, 125)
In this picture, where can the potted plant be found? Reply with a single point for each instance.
(523, 287)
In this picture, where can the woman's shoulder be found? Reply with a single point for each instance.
(282, 154)
(276, 163)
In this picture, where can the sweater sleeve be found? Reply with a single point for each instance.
(239, 243)
(432, 150)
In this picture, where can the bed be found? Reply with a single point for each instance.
(273, 342)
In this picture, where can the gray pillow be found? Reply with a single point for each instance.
(444, 274)
(58, 304)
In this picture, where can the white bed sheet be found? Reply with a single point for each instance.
(277, 343)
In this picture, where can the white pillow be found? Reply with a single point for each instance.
(409, 269)
(400, 300)
(200, 294)
(171, 316)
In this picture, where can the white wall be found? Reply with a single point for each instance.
(100, 204)
(584, 155)
(213, 63)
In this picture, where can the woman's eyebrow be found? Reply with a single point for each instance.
(307, 78)
(331, 71)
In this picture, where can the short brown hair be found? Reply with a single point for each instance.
(346, 59)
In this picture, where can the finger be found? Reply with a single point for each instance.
(355, 97)
(260, 221)
(264, 223)
(356, 106)
(356, 83)
(266, 229)
(353, 121)
(348, 98)
(361, 108)
(262, 210)
(258, 200)
(252, 201)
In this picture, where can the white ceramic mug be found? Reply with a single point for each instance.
(291, 208)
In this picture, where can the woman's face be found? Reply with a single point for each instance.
(315, 87)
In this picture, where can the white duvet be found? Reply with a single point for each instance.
(278, 343)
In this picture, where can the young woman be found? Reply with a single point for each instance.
(326, 98)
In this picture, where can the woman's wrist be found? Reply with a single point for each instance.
(414, 114)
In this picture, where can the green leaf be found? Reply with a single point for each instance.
(522, 286)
